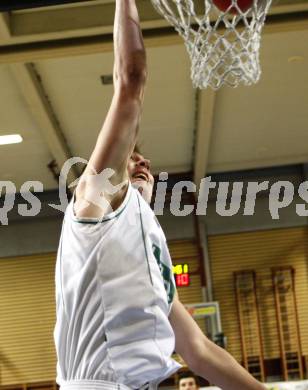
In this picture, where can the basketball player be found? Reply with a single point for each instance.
(118, 316)
(188, 381)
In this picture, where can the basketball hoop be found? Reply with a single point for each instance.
(222, 38)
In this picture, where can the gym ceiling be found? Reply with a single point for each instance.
(52, 60)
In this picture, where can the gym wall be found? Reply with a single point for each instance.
(259, 251)
(27, 302)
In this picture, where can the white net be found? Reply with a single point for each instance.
(223, 40)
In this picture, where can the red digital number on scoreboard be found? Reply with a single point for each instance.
(181, 273)
(182, 280)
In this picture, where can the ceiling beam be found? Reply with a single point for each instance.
(36, 98)
(80, 18)
(36, 51)
(92, 18)
(205, 121)
(5, 32)
(288, 8)
(8, 5)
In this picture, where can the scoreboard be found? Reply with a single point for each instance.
(181, 275)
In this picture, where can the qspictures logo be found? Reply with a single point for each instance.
(100, 188)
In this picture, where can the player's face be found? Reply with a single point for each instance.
(188, 384)
(140, 175)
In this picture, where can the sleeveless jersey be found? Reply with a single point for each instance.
(114, 290)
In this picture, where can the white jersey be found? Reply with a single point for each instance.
(114, 290)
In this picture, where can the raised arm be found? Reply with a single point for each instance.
(118, 135)
(204, 357)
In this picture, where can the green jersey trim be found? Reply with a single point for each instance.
(166, 273)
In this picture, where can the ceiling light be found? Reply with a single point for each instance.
(10, 139)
